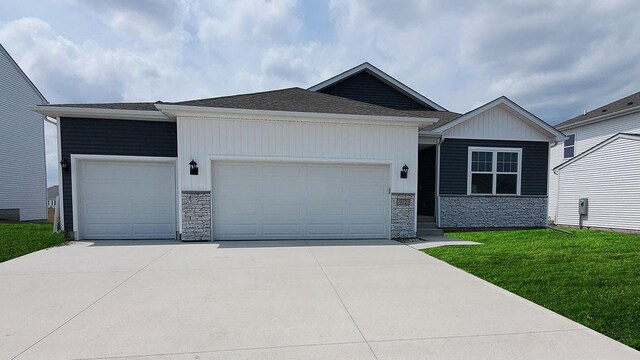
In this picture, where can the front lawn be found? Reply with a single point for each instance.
(20, 239)
(592, 277)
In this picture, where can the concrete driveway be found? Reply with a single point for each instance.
(271, 300)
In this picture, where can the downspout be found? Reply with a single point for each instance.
(437, 204)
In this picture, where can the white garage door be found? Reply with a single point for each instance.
(126, 200)
(299, 201)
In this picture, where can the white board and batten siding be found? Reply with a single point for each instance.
(204, 139)
(496, 123)
(22, 161)
(339, 147)
(587, 136)
(610, 178)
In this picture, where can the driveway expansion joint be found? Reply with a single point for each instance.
(93, 303)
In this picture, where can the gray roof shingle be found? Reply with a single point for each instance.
(628, 102)
(444, 117)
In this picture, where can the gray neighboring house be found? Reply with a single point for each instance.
(23, 180)
(52, 194)
(359, 155)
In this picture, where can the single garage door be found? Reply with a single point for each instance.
(299, 201)
(126, 200)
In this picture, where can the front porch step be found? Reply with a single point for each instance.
(425, 218)
(429, 232)
(427, 225)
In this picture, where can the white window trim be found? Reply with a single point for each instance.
(494, 168)
(564, 147)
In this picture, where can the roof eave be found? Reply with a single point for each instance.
(175, 111)
(598, 118)
(93, 113)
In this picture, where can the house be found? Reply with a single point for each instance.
(23, 181)
(359, 155)
(599, 161)
(52, 195)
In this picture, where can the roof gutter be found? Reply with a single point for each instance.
(175, 111)
(64, 111)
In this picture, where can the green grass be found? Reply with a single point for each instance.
(20, 239)
(592, 277)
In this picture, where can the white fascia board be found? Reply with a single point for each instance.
(175, 111)
(596, 147)
(381, 75)
(554, 134)
(64, 111)
(599, 118)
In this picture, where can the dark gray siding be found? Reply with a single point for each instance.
(367, 88)
(112, 137)
(454, 157)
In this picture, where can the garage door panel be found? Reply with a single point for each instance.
(299, 201)
(366, 229)
(126, 200)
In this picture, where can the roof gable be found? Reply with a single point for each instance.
(503, 104)
(604, 143)
(369, 84)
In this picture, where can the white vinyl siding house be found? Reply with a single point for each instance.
(586, 137)
(609, 179)
(23, 188)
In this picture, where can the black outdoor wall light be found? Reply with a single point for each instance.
(64, 164)
(404, 172)
(193, 167)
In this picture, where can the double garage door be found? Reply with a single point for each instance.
(299, 201)
(137, 200)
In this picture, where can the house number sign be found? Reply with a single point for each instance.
(403, 202)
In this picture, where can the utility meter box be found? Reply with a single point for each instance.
(583, 206)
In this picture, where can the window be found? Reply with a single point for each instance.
(494, 171)
(570, 146)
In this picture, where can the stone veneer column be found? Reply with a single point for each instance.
(403, 215)
(196, 216)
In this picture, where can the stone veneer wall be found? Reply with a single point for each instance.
(196, 215)
(403, 215)
(493, 211)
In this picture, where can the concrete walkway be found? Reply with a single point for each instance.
(271, 300)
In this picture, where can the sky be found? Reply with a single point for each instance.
(555, 58)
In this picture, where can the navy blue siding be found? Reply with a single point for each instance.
(112, 137)
(367, 88)
(454, 157)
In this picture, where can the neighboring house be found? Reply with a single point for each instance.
(600, 160)
(52, 194)
(23, 187)
(357, 156)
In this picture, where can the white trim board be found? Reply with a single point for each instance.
(76, 158)
(92, 113)
(175, 111)
(382, 76)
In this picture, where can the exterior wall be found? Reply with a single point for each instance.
(367, 88)
(493, 211)
(459, 210)
(454, 157)
(610, 178)
(587, 136)
(23, 181)
(496, 123)
(403, 216)
(202, 139)
(111, 137)
(196, 216)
